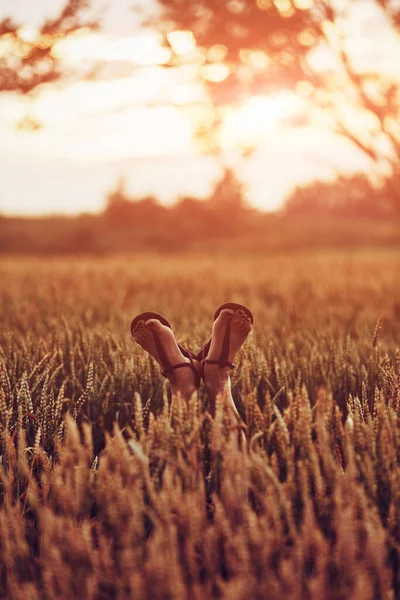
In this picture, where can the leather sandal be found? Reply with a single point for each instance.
(167, 368)
(224, 356)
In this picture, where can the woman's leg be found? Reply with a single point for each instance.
(217, 379)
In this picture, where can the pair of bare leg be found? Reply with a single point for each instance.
(184, 381)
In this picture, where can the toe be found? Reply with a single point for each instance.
(242, 325)
(225, 315)
(139, 340)
(139, 336)
(237, 319)
(137, 327)
(154, 325)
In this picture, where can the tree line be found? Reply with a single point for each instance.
(346, 212)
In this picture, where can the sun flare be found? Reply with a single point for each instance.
(117, 105)
(137, 110)
(256, 118)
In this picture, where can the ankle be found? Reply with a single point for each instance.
(185, 391)
(216, 379)
(184, 383)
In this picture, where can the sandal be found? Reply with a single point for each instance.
(167, 368)
(223, 359)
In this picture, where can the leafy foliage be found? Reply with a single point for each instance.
(108, 489)
(229, 31)
(268, 45)
(26, 62)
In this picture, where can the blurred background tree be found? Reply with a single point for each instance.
(268, 45)
(27, 59)
(347, 197)
(242, 48)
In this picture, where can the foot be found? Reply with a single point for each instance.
(217, 378)
(240, 329)
(144, 337)
(182, 380)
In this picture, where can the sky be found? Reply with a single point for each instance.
(137, 125)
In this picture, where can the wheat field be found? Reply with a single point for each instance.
(111, 489)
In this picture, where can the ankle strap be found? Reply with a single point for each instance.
(221, 363)
(167, 372)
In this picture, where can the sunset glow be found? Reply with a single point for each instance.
(139, 115)
(144, 49)
(182, 42)
(136, 110)
(254, 120)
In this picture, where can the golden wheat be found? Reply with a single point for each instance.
(107, 490)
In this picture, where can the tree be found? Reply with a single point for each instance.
(267, 44)
(246, 47)
(262, 46)
(228, 194)
(28, 60)
(118, 209)
(346, 197)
